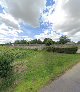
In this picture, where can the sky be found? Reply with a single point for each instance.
(39, 19)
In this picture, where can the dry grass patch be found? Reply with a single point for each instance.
(20, 67)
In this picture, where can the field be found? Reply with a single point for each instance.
(34, 69)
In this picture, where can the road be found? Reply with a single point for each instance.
(69, 82)
(78, 51)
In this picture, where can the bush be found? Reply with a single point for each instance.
(59, 50)
(71, 50)
(68, 50)
(6, 60)
(36, 49)
(48, 48)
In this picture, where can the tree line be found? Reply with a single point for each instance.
(46, 41)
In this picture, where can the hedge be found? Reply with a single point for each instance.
(67, 50)
(6, 60)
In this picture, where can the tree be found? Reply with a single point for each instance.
(17, 42)
(64, 39)
(39, 41)
(20, 42)
(23, 41)
(48, 41)
(33, 41)
(45, 40)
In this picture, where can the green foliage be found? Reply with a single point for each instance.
(36, 49)
(63, 39)
(41, 67)
(6, 60)
(67, 50)
(20, 42)
(39, 41)
(48, 48)
(17, 42)
(35, 41)
(48, 41)
(71, 50)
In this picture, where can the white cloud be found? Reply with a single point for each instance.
(9, 27)
(26, 10)
(48, 34)
(9, 20)
(8, 34)
(23, 37)
(75, 37)
(4, 29)
(65, 18)
(15, 12)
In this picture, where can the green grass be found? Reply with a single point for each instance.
(41, 67)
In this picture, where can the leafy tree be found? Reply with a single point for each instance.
(20, 42)
(33, 41)
(17, 42)
(48, 41)
(23, 41)
(64, 39)
(45, 40)
(39, 41)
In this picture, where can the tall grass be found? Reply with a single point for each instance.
(34, 69)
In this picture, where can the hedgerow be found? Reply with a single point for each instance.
(67, 50)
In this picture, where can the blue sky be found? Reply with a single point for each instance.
(31, 23)
(30, 31)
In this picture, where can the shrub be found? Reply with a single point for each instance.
(36, 49)
(48, 48)
(59, 50)
(67, 50)
(6, 60)
(71, 50)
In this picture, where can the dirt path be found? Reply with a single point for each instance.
(69, 82)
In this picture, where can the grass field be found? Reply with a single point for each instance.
(35, 69)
